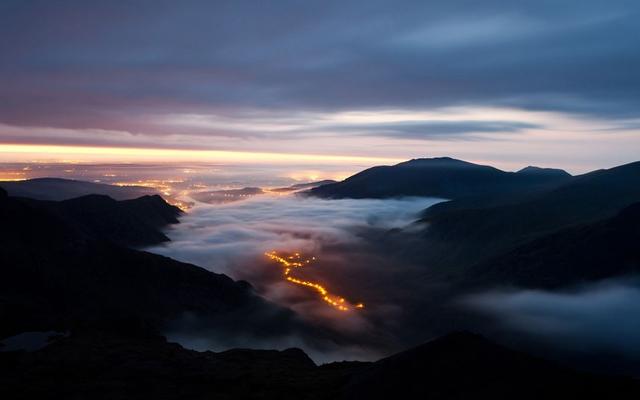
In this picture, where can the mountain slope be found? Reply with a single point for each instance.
(136, 222)
(475, 228)
(467, 366)
(435, 177)
(59, 273)
(580, 254)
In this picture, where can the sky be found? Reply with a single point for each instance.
(507, 83)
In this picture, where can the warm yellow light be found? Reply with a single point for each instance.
(12, 176)
(295, 261)
(25, 152)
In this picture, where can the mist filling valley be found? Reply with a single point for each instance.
(233, 238)
(356, 252)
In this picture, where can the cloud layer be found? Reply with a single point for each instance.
(227, 75)
(364, 257)
(598, 317)
(108, 57)
(231, 239)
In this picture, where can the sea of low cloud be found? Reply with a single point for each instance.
(232, 239)
(358, 258)
(221, 236)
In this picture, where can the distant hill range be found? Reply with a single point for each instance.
(443, 177)
(302, 186)
(64, 189)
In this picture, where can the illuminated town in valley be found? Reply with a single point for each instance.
(295, 260)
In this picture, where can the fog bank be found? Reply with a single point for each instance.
(232, 239)
(596, 317)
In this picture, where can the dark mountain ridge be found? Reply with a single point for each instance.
(107, 365)
(480, 227)
(64, 266)
(533, 170)
(442, 177)
(136, 222)
(576, 255)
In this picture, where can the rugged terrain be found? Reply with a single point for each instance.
(67, 265)
(112, 365)
(71, 266)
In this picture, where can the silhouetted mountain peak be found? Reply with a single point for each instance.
(154, 199)
(443, 177)
(136, 222)
(92, 200)
(440, 162)
(533, 170)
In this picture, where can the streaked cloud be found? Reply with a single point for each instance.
(250, 77)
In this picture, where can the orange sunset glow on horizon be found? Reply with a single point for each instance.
(71, 154)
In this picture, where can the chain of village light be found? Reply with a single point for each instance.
(295, 261)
